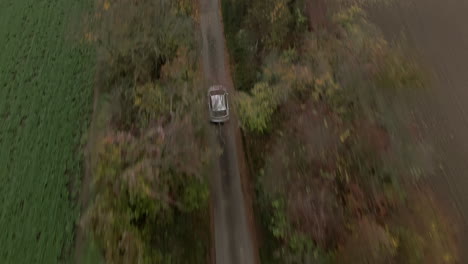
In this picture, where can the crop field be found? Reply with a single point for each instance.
(46, 80)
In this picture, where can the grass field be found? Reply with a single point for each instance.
(45, 101)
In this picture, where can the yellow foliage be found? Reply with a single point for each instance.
(150, 101)
(345, 135)
(89, 37)
(349, 16)
(106, 5)
(277, 11)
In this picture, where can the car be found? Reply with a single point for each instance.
(218, 104)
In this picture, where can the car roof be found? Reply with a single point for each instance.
(218, 102)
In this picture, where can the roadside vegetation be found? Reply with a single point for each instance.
(149, 182)
(45, 104)
(337, 162)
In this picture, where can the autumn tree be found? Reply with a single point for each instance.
(150, 181)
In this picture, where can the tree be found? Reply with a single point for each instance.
(256, 110)
(142, 184)
(271, 21)
(150, 180)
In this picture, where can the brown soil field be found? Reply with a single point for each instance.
(436, 33)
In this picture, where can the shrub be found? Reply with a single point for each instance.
(256, 110)
(142, 184)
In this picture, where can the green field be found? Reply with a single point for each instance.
(45, 103)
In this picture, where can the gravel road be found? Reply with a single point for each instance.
(233, 237)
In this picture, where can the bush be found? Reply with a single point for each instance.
(256, 110)
(142, 184)
(295, 247)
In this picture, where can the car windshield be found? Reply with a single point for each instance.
(218, 102)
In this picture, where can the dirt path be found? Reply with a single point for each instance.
(233, 237)
(437, 32)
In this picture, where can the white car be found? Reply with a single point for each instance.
(218, 104)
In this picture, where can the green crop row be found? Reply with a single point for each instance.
(45, 101)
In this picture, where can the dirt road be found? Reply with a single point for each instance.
(437, 31)
(233, 238)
